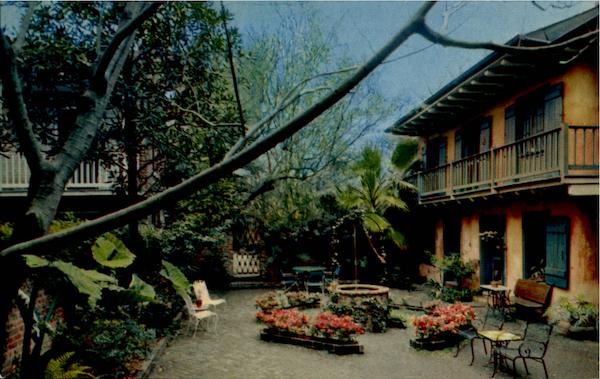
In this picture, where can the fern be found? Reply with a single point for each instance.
(60, 368)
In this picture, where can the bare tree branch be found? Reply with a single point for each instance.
(204, 119)
(256, 128)
(443, 40)
(228, 165)
(13, 95)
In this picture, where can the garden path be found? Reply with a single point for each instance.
(236, 352)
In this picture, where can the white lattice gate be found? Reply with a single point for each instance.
(245, 265)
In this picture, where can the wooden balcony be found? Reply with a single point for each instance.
(566, 155)
(90, 178)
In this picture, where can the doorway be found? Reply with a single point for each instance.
(534, 244)
(492, 230)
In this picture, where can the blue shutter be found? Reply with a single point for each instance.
(484, 136)
(458, 146)
(557, 252)
(509, 125)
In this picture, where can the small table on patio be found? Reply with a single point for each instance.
(303, 272)
(498, 338)
(497, 296)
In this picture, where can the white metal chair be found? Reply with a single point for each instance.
(195, 315)
(201, 292)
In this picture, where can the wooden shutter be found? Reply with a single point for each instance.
(557, 252)
(553, 108)
(509, 124)
(458, 146)
(442, 152)
(484, 136)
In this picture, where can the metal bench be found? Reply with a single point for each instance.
(531, 296)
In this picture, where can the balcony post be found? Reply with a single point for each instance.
(563, 155)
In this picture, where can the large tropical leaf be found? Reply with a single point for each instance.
(88, 282)
(375, 223)
(141, 290)
(397, 237)
(34, 261)
(111, 252)
(176, 277)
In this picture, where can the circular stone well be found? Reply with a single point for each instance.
(356, 293)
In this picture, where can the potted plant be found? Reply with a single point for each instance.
(462, 272)
(439, 328)
(576, 318)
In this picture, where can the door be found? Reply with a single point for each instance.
(492, 230)
(534, 244)
(451, 240)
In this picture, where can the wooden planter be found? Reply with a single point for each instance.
(334, 346)
(433, 343)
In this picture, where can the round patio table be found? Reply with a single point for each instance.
(307, 269)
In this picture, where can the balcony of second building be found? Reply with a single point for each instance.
(90, 178)
(566, 155)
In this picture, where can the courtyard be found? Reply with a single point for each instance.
(235, 351)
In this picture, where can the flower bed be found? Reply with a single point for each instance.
(326, 332)
(283, 300)
(441, 325)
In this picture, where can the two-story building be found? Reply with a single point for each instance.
(508, 175)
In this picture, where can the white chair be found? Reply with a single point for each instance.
(196, 315)
(201, 292)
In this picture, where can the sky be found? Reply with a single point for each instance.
(362, 27)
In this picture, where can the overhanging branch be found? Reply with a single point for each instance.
(227, 166)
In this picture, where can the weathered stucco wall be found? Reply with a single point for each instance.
(583, 244)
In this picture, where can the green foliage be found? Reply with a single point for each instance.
(177, 278)
(374, 194)
(370, 313)
(140, 290)
(111, 252)
(108, 345)
(577, 312)
(455, 265)
(61, 368)
(405, 153)
(5, 233)
(87, 282)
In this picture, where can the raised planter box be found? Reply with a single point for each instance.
(433, 344)
(333, 346)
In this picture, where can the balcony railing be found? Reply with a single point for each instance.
(14, 175)
(554, 154)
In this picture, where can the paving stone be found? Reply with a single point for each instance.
(235, 351)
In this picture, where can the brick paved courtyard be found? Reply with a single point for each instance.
(235, 351)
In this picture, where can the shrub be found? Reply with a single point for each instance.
(577, 312)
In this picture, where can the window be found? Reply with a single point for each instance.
(532, 114)
(473, 139)
(435, 153)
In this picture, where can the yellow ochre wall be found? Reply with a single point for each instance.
(580, 104)
(583, 245)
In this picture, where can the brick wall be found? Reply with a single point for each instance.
(15, 328)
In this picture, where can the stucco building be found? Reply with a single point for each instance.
(508, 175)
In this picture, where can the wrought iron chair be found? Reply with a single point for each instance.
(288, 280)
(496, 322)
(534, 347)
(315, 280)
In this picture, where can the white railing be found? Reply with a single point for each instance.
(14, 174)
